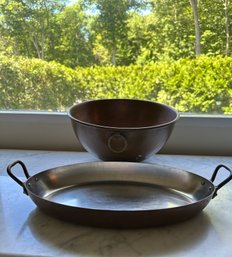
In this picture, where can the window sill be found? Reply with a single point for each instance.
(193, 134)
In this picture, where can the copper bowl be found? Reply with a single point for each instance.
(122, 129)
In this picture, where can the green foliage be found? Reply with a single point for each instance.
(104, 32)
(29, 24)
(72, 46)
(36, 84)
(200, 85)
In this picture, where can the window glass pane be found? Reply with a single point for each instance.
(54, 53)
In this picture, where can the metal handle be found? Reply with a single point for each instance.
(17, 180)
(225, 181)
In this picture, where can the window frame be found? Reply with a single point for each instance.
(193, 134)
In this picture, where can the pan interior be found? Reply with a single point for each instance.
(123, 113)
(119, 196)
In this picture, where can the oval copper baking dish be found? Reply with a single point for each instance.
(119, 194)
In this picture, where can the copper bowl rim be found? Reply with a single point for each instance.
(124, 128)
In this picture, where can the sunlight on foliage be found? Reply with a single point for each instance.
(198, 85)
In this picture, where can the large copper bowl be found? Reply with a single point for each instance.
(122, 129)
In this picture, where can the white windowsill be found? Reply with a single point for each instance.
(193, 134)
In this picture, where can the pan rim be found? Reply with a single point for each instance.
(78, 165)
(177, 116)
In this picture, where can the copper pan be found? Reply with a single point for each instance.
(120, 194)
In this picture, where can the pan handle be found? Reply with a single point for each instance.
(225, 181)
(17, 180)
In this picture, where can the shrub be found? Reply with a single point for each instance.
(36, 84)
(202, 85)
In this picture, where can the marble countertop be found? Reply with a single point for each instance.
(26, 231)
